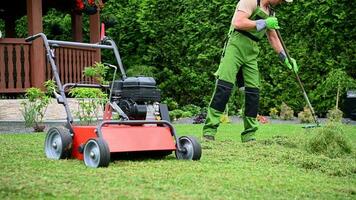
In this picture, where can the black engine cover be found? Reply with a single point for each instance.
(138, 89)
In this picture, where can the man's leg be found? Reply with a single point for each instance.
(216, 107)
(252, 82)
(226, 77)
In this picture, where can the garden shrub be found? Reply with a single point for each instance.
(175, 114)
(273, 113)
(193, 109)
(171, 103)
(34, 108)
(286, 113)
(334, 115)
(305, 116)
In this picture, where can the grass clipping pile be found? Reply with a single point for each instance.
(329, 141)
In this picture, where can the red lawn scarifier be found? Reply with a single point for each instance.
(143, 126)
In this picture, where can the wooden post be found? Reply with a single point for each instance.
(77, 24)
(94, 26)
(37, 54)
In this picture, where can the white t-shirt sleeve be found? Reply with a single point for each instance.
(247, 6)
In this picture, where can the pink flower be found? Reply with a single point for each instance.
(262, 119)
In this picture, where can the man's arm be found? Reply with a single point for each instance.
(274, 41)
(277, 46)
(242, 21)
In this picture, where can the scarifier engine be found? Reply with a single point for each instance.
(138, 97)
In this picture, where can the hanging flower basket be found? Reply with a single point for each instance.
(88, 7)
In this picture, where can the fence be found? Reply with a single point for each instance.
(15, 65)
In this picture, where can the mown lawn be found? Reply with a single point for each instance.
(275, 167)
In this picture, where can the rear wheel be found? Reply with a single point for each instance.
(58, 143)
(96, 153)
(190, 148)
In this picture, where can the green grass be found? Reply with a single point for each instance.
(277, 166)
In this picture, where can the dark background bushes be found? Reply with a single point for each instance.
(180, 43)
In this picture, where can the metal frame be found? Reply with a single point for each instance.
(107, 43)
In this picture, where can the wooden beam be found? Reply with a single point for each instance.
(94, 26)
(37, 54)
(77, 27)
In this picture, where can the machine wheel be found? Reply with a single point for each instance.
(58, 143)
(96, 153)
(191, 149)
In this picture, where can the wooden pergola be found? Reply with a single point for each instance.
(24, 64)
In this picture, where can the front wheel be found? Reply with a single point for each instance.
(96, 153)
(58, 143)
(190, 148)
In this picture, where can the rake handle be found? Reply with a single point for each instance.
(298, 79)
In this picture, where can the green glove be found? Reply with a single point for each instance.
(272, 23)
(292, 66)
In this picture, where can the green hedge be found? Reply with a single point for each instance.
(180, 42)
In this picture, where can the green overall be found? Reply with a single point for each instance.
(240, 53)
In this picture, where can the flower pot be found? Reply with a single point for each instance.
(39, 127)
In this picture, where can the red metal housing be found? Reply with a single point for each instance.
(125, 138)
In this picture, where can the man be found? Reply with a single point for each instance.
(251, 21)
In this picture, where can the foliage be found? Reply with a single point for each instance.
(305, 116)
(200, 118)
(2, 28)
(337, 82)
(34, 108)
(334, 115)
(193, 109)
(182, 45)
(175, 114)
(286, 113)
(141, 70)
(97, 71)
(330, 141)
(224, 118)
(171, 103)
(90, 101)
(273, 113)
(29, 113)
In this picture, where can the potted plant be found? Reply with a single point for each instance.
(89, 7)
(34, 107)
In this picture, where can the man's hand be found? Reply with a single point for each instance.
(272, 23)
(292, 66)
(269, 23)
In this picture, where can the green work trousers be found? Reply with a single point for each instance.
(240, 53)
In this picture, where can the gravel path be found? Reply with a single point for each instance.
(11, 120)
(17, 126)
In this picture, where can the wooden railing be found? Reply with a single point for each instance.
(14, 65)
(70, 62)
